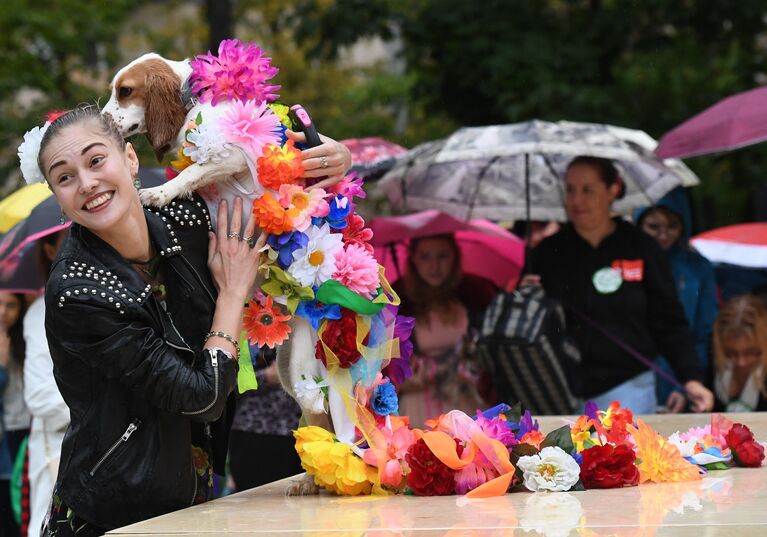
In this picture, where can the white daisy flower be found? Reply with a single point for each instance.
(551, 469)
(316, 263)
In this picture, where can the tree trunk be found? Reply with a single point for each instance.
(219, 16)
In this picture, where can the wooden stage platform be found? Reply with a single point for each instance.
(731, 503)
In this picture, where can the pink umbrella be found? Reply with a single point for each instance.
(734, 122)
(371, 157)
(487, 250)
(744, 245)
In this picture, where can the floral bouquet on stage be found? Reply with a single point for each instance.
(502, 450)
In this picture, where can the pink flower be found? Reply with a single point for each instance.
(357, 269)
(350, 186)
(473, 475)
(251, 126)
(238, 74)
(389, 455)
(497, 428)
(303, 205)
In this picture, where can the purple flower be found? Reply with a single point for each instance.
(315, 311)
(399, 368)
(285, 244)
(349, 187)
(592, 410)
(496, 428)
(526, 424)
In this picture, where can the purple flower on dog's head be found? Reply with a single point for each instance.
(238, 74)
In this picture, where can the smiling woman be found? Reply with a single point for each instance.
(141, 312)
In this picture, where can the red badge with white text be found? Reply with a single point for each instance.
(632, 270)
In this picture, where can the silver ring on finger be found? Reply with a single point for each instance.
(234, 235)
(323, 162)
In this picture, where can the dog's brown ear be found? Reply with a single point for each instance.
(163, 113)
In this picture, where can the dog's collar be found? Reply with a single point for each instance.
(187, 97)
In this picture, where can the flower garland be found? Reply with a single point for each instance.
(500, 450)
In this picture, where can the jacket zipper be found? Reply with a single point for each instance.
(124, 438)
(214, 363)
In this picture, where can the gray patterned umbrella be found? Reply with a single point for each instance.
(485, 172)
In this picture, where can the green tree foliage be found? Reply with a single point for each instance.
(646, 64)
(52, 55)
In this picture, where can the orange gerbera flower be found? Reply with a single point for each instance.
(271, 217)
(265, 325)
(280, 165)
(659, 461)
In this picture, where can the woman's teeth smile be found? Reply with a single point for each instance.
(97, 202)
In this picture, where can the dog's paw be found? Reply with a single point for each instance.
(158, 196)
(302, 485)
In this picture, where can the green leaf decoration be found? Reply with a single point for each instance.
(559, 438)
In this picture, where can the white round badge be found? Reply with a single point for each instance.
(607, 280)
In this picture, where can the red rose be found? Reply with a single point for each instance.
(428, 475)
(606, 467)
(340, 336)
(745, 450)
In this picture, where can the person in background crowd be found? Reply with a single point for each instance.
(15, 415)
(50, 414)
(740, 355)
(445, 304)
(669, 223)
(618, 291)
(263, 430)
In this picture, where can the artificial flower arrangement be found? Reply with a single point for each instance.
(502, 450)
(320, 267)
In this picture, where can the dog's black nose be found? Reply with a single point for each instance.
(133, 127)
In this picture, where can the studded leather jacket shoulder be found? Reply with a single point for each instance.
(133, 372)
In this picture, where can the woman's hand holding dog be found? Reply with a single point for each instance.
(330, 160)
(233, 263)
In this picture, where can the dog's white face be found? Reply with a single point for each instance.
(146, 99)
(127, 104)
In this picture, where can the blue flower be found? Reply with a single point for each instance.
(315, 311)
(339, 210)
(385, 400)
(285, 244)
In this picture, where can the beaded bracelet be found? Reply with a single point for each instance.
(227, 337)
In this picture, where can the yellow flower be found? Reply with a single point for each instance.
(281, 111)
(183, 161)
(657, 460)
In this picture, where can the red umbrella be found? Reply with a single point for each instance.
(734, 122)
(371, 157)
(744, 245)
(487, 250)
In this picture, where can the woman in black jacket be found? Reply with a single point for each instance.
(614, 279)
(143, 315)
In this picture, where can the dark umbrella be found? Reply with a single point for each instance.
(372, 157)
(19, 272)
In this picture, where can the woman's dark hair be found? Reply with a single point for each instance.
(16, 334)
(80, 114)
(607, 171)
(421, 298)
(43, 262)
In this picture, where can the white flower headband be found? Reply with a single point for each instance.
(28, 152)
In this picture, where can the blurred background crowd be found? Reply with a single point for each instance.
(549, 250)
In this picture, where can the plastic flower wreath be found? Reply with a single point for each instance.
(265, 324)
(280, 165)
(239, 73)
(280, 284)
(251, 126)
(316, 263)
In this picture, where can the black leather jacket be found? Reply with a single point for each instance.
(135, 377)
